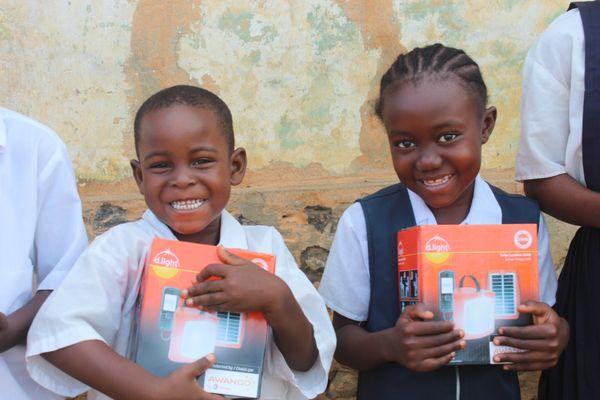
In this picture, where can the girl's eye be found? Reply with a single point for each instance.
(405, 144)
(447, 137)
(159, 165)
(201, 162)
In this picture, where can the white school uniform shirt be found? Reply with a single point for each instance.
(41, 230)
(345, 285)
(552, 102)
(96, 302)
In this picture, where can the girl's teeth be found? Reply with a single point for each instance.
(433, 182)
(187, 204)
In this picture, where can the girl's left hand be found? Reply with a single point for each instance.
(542, 342)
(241, 286)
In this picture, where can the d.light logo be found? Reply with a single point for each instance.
(437, 249)
(165, 264)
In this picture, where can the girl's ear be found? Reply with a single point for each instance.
(489, 121)
(136, 168)
(238, 166)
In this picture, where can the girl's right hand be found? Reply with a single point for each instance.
(182, 384)
(421, 344)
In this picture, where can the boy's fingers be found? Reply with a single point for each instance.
(524, 357)
(432, 364)
(428, 328)
(536, 366)
(212, 270)
(199, 366)
(535, 308)
(203, 287)
(416, 312)
(206, 300)
(229, 258)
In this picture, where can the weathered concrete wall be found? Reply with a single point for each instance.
(299, 76)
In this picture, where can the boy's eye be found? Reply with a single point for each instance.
(201, 162)
(448, 137)
(159, 165)
(405, 144)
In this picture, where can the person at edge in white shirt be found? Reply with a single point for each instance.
(185, 168)
(345, 283)
(41, 235)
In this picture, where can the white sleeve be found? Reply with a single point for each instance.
(545, 109)
(345, 285)
(314, 381)
(60, 235)
(547, 281)
(86, 306)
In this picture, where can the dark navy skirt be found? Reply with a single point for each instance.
(577, 374)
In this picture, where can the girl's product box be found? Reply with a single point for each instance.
(473, 275)
(169, 334)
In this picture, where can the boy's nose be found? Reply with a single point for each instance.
(428, 160)
(183, 178)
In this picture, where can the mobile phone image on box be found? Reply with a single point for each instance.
(168, 334)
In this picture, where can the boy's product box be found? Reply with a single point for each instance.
(474, 275)
(168, 333)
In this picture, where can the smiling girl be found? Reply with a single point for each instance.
(433, 104)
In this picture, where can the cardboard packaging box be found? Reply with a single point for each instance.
(169, 334)
(474, 275)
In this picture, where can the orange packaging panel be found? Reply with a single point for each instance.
(473, 275)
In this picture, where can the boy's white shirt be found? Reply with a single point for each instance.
(345, 285)
(41, 230)
(96, 302)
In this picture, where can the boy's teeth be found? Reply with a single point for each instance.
(187, 204)
(439, 181)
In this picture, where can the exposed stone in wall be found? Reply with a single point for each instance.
(107, 216)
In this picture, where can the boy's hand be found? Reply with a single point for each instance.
(181, 383)
(543, 341)
(421, 344)
(243, 286)
(5, 333)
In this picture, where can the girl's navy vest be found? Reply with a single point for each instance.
(386, 212)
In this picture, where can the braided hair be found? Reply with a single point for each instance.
(190, 96)
(435, 59)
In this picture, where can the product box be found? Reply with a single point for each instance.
(474, 275)
(169, 334)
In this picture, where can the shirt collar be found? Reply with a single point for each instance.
(232, 233)
(484, 207)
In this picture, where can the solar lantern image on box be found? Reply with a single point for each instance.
(194, 335)
(474, 309)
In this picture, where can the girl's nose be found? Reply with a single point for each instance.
(428, 160)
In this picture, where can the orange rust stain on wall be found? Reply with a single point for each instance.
(380, 30)
(156, 29)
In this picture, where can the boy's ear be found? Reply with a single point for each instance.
(238, 166)
(136, 168)
(489, 121)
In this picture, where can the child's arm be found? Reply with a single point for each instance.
(566, 199)
(14, 327)
(416, 342)
(98, 366)
(543, 341)
(246, 287)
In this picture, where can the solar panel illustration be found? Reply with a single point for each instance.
(505, 287)
(229, 332)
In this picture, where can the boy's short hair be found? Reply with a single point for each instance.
(191, 96)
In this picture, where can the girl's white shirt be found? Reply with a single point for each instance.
(345, 285)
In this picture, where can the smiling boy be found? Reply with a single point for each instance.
(185, 168)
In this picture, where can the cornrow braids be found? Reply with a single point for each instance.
(191, 96)
(435, 59)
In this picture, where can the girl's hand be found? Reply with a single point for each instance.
(181, 383)
(243, 286)
(421, 344)
(543, 341)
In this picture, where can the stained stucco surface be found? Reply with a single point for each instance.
(299, 76)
